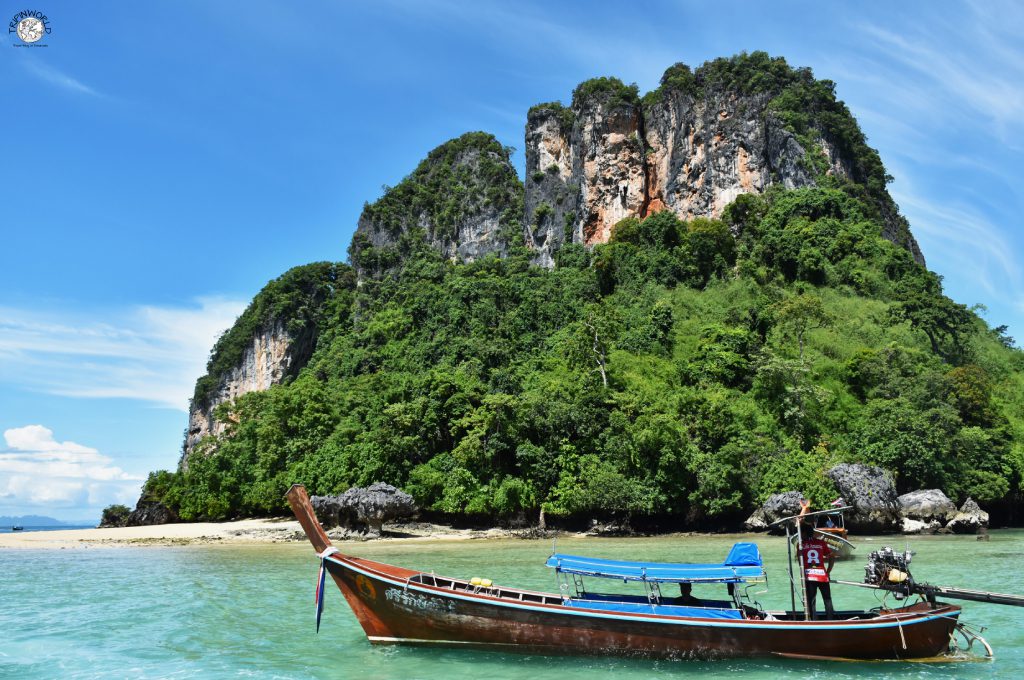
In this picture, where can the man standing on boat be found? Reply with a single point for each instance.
(816, 561)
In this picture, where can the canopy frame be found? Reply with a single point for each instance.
(743, 565)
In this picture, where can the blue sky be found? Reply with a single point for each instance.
(166, 159)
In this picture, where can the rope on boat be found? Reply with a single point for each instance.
(903, 639)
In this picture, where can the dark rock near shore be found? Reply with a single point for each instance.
(927, 505)
(776, 507)
(332, 513)
(378, 503)
(148, 513)
(871, 493)
(970, 520)
(364, 508)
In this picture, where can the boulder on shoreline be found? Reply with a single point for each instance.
(331, 513)
(777, 506)
(916, 526)
(150, 513)
(364, 508)
(871, 493)
(970, 520)
(927, 506)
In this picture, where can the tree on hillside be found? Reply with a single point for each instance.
(800, 314)
(946, 324)
(591, 340)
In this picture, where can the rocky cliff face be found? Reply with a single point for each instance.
(706, 152)
(733, 126)
(689, 149)
(464, 200)
(585, 171)
(272, 355)
(271, 341)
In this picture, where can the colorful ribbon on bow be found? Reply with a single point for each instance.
(321, 580)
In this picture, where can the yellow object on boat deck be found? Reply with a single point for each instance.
(897, 576)
(482, 582)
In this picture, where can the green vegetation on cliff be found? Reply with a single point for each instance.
(677, 371)
(565, 115)
(611, 92)
(297, 300)
(458, 180)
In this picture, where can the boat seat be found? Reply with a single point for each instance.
(660, 609)
(665, 601)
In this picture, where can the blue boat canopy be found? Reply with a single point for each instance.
(742, 564)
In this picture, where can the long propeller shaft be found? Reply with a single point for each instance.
(943, 591)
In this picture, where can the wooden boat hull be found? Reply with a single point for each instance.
(398, 605)
(392, 609)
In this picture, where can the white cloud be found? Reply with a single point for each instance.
(149, 353)
(51, 75)
(39, 473)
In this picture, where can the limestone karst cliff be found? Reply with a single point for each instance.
(703, 137)
(268, 344)
(692, 146)
(271, 355)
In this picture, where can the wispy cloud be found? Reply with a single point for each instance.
(149, 353)
(941, 95)
(985, 83)
(53, 76)
(960, 233)
(38, 472)
(564, 36)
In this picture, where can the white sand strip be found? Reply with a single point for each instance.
(242, 531)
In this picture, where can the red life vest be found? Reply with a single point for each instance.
(814, 553)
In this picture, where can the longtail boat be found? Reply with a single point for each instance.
(398, 605)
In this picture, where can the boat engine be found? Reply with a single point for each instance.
(889, 569)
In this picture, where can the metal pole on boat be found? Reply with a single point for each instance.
(789, 561)
(803, 580)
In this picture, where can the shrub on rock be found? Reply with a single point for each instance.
(115, 516)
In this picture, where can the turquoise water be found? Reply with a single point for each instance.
(223, 611)
(7, 529)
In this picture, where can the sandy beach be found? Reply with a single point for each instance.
(246, 531)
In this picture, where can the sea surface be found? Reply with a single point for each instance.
(247, 611)
(7, 529)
